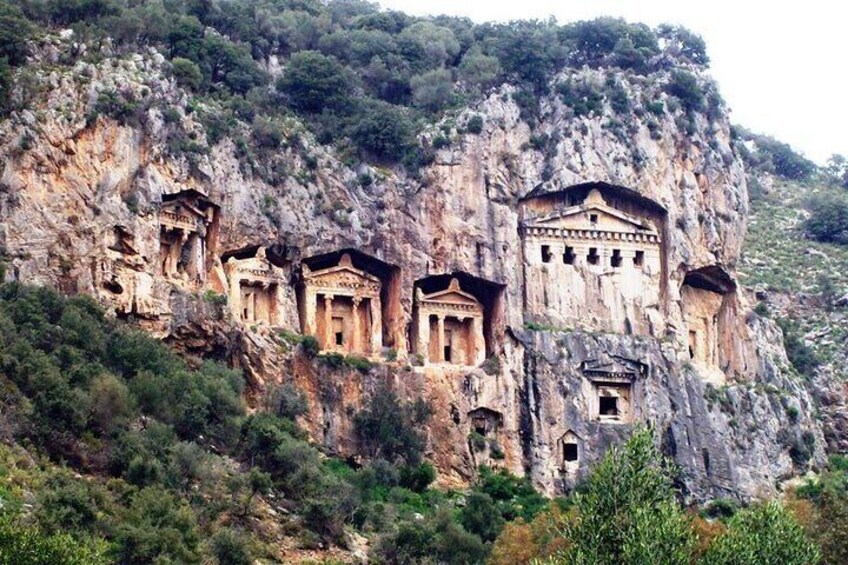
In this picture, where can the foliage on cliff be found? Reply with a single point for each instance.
(364, 79)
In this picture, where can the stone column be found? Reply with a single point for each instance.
(276, 306)
(176, 253)
(422, 339)
(234, 288)
(329, 338)
(251, 306)
(440, 339)
(478, 340)
(355, 341)
(310, 322)
(376, 337)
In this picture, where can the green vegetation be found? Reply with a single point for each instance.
(172, 470)
(627, 512)
(365, 79)
(779, 256)
(772, 156)
(828, 221)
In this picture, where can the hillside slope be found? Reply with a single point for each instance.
(805, 282)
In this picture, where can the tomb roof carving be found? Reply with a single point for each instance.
(343, 278)
(484, 412)
(253, 269)
(451, 299)
(613, 368)
(579, 217)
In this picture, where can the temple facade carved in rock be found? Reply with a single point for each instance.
(341, 308)
(593, 263)
(185, 236)
(448, 326)
(255, 287)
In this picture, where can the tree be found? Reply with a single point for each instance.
(15, 31)
(681, 41)
(389, 429)
(187, 73)
(478, 70)
(383, 130)
(837, 170)
(765, 534)
(480, 516)
(684, 85)
(314, 81)
(627, 511)
(432, 90)
(828, 219)
(25, 544)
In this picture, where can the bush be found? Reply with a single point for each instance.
(624, 504)
(802, 357)
(186, 72)
(230, 548)
(156, 528)
(764, 533)
(684, 86)
(389, 429)
(828, 221)
(474, 124)
(432, 90)
(25, 544)
(480, 516)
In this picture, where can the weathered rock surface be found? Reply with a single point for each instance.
(68, 182)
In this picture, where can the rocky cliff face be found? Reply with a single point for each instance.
(79, 189)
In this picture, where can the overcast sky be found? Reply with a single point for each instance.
(782, 66)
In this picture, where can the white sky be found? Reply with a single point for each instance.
(782, 66)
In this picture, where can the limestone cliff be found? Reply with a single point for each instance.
(81, 196)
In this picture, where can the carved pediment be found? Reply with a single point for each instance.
(594, 214)
(452, 298)
(178, 214)
(487, 413)
(613, 368)
(344, 276)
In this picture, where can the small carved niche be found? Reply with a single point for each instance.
(569, 447)
(484, 432)
(612, 381)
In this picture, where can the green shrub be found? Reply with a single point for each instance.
(186, 72)
(828, 219)
(25, 544)
(474, 124)
(383, 130)
(802, 357)
(477, 441)
(229, 548)
(583, 97)
(481, 516)
(685, 87)
(390, 429)
(314, 81)
(764, 533)
(155, 528)
(310, 346)
(417, 477)
(627, 499)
